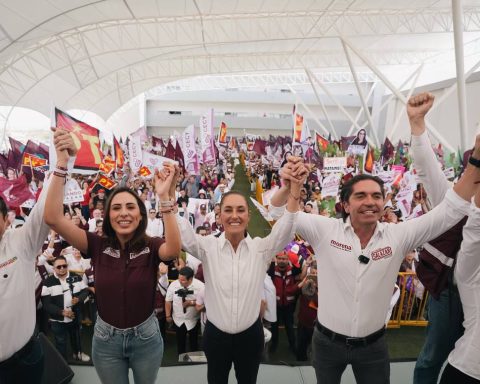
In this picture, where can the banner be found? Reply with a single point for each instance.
(334, 164)
(89, 155)
(331, 185)
(154, 161)
(194, 204)
(190, 156)
(72, 192)
(135, 153)
(207, 138)
(263, 211)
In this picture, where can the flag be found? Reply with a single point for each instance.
(190, 156)
(135, 151)
(33, 158)
(157, 143)
(86, 138)
(118, 153)
(106, 182)
(34, 161)
(259, 192)
(144, 171)
(222, 135)
(17, 148)
(297, 128)
(368, 166)
(3, 163)
(322, 143)
(207, 141)
(345, 142)
(179, 156)
(15, 192)
(107, 165)
(170, 151)
(232, 144)
(259, 147)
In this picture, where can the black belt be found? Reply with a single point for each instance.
(22, 352)
(350, 341)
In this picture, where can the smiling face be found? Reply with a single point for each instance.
(234, 214)
(124, 215)
(365, 205)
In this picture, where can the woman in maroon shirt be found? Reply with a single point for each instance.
(125, 261)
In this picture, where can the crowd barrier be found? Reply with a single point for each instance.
(410, 308)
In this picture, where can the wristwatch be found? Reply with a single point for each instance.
(474, 161)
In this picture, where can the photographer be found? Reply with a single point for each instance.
(307, 312)
(61, 292)
(182, 293)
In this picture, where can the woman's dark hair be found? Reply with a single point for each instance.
(230, 193)
(3, 208)
(347, 189)
(139, 239)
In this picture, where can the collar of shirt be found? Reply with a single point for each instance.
(247, 240)
(379, 229)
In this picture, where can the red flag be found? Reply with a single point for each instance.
(106, 182)
(321, 142)
(368, 167)
(170, 152)
(144, 171)
(222, 136)
(86, 138)
(29, 159)
(179, 156)
(15, 192)
(119, 157)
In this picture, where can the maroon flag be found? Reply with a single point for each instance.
(15, 161)
(170, 151)
(3, 163)
(345, 142)
(15, 192)
(259, 147)
(179, 156)
(158, 142)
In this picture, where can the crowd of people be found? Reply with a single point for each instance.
(172, 251)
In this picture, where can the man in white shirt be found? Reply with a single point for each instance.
(358, 260)
(154, 225)
(92, 223)
(180, 307)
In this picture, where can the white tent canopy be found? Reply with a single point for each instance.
(98, 55)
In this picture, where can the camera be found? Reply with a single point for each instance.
(184, 292)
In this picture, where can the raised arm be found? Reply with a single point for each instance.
(164, 179)
(468, 259)
(428, 168)
(53, 215)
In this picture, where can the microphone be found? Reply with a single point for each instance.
(363, 259)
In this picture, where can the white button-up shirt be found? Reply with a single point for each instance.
(466, 355)
(234, 280)
(191, 316)
(18, 250)
(353, 298)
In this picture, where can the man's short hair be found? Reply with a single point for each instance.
(347, 189)
(187, 272)
(59, 258)
(200, 228)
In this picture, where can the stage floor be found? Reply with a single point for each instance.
(401, 373)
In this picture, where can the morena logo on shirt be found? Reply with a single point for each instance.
(382, 253)
(341, 246)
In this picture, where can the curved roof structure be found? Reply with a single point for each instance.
(96, 55)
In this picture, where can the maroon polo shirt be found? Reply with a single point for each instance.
(125, 281)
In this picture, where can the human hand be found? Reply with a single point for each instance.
(64, 145)
(417, 108)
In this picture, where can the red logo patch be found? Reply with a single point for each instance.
(341, 246)
(382, 253)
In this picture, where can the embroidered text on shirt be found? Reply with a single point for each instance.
(341, 246)
(135, 255)
(8, 262)
(382, 253)
(112, 252)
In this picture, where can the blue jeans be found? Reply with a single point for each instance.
(116, 350)
(445, 317)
